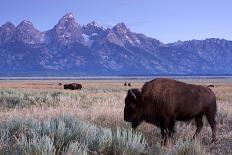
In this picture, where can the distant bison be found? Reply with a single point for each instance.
(163, 101)
(73, 86)
(125, 84)
(210, 86)
(60, 84)
(129, 84)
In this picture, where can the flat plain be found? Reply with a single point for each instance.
(26, 104)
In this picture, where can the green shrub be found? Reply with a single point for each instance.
(13, 98)
(187, 147)
(66, 135)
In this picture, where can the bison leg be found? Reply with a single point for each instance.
(212, 122)
(165, 124)
(199, 124)
(164, 133)
(135, 124)
(171, 127)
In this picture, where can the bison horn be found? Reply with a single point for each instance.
(131, 92)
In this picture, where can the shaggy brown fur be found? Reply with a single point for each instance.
(163, 101)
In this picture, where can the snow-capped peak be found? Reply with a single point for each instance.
(68, 15)
(26, 22)
(93, 23)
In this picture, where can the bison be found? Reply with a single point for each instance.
(125, 84)
(164, 101)
(73, 86)
(210, 86)
(129, 84)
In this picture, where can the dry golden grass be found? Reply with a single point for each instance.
(102, 102)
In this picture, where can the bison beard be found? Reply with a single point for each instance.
(163, 101)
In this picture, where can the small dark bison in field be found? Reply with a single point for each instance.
(210, 86)
(127, 84)
(163, 101)
(59, 84)
(73, 86)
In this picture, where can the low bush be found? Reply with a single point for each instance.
(64, 135)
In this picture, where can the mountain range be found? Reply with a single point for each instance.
(69, 49)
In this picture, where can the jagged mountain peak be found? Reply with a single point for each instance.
(67, 19)
(7, 32)
(68, 15)
(121, 35)
(66, 22)
(67, 30)
(121, 25)
(8, 24)
(94, 29)
(26, 27)
(121, 28)
(71, 49)
(28, 34)
(93, 23)
(25, 23)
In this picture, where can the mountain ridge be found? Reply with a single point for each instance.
(71, 49)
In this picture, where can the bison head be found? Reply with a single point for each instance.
(132, 107)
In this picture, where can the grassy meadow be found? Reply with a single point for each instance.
(40, 118)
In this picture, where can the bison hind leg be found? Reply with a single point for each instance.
(199, 124)
(211, 119)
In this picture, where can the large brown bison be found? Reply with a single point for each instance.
(73, 86)
(163, 101)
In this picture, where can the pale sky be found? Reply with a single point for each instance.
(166, 20)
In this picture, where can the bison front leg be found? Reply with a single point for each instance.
(135, 124)
(167, 128)
(164, 133)
(171, 126)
